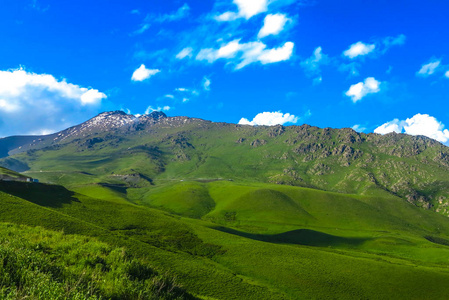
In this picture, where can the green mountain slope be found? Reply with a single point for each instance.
(179, 148)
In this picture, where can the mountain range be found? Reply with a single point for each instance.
(158, 147)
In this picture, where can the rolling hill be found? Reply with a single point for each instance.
(241, 212)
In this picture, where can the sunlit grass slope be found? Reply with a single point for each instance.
(167, 243)
(36, 263)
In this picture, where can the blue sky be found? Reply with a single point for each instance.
(375, 66)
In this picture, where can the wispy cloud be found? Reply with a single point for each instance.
(181, 13)
(206, 83)
(313, 64)
(150, 109)
(186, 52)
(357, 91)
(243, 54)
(391, 41)
(429, 68)
(380, 46)
(358, 128)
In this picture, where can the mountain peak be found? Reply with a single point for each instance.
(157, 115)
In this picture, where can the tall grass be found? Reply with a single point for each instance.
(42, 264)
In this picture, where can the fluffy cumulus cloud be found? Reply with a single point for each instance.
(246, 9)
(39, 103)
(359, 49)
(273, 25)
(419, 124)
(142, 73)
(270, 119)
(447, 74)
(429, 69)
(361, 89)
(392, 126)
(246, 53)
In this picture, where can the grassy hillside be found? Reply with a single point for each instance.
(41, 264)
(292, 245)
(9, 174)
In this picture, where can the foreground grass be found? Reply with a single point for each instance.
(41, 264)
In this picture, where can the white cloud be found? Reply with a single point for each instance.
(359, 49)
(250, 8)
(419, 124)
(361, 89)
(246, 9)
(392, 126)
(229, 50)
(247, 53)
(31, 103)
(91, 96)
(278, 54)
(227, 16)
(273, 25)
(429, 69)
(150, 109)
(447, 74)
(186, 52)
(270, 119)
(206, 84)
(169, 96)
(143, 73)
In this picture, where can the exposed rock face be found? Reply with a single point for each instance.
(256, 143)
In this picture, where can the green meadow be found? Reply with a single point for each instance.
(230, 240)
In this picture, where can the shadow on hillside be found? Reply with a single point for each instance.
(304, 237)
(41, 194)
